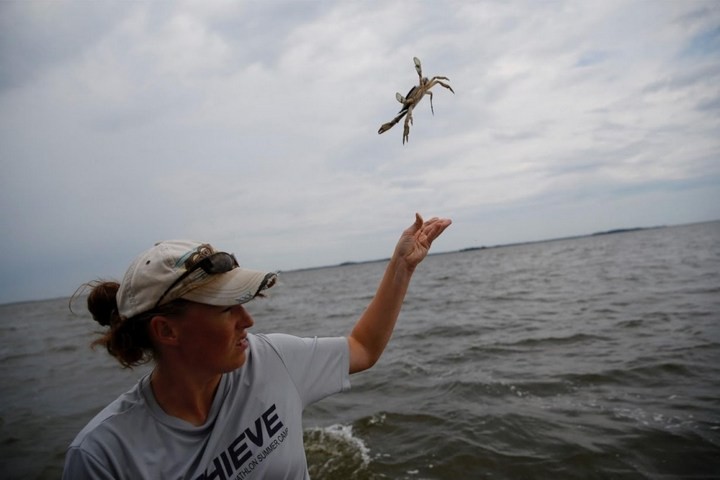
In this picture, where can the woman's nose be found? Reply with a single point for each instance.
(245, 320)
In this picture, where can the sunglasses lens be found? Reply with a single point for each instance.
(221, 263)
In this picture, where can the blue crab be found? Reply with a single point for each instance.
(412, 98)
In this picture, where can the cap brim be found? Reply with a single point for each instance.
(232, 288)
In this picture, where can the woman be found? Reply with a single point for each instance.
(221, 403)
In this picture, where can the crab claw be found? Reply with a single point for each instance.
(418, 66)
(399, 97)
(385, 127)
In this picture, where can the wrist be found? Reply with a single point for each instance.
(401, 267)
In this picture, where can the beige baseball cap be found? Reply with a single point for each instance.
(190, 270)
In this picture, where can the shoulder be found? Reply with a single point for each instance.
(300, 355)
(119, 415)
(274, 343)
(283, 344)
(103, 444)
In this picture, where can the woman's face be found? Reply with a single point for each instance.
(213, 338)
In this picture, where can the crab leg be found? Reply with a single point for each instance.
(408, 122)
(436, 81)
(387, 126)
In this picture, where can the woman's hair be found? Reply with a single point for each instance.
(126, 339)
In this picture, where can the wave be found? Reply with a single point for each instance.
(567, 340)
(335, 452)
(642, 376)
(546, 342)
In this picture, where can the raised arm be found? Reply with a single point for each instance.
(374, 328)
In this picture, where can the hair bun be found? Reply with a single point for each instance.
(102, 303)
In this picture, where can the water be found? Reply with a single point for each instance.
(586, 358)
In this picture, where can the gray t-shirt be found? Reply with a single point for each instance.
(253, 431)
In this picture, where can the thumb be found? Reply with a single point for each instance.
(414, 228)
(418, 222)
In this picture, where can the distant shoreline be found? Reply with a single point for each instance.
(503, 245)
(615, 231)
(573, 237)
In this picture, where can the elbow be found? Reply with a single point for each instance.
(361, 357)
(361, 366)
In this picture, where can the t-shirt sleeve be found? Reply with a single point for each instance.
(318, 366)
(80, 465)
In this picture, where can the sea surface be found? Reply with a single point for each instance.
(586, 358)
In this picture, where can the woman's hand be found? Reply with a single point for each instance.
(416, 240)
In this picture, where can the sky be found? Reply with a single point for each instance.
(253, 126)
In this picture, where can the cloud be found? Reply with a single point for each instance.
(254, 125)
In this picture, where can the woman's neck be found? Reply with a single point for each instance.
(187, 396)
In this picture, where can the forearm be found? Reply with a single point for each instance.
(373, 330)
(375, 326)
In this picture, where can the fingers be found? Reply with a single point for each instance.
(435, 227)
(431, 228)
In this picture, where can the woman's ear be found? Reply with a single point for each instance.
(163, 330)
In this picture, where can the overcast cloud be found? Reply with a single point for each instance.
(253, 125)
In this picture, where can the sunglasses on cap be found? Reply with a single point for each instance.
(220, 262)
